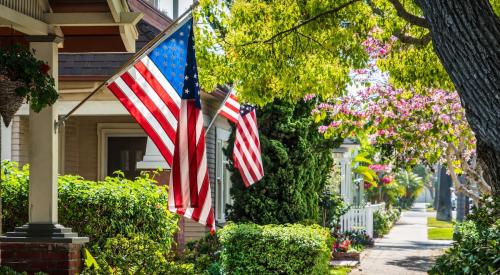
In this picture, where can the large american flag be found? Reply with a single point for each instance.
(161, 91)
(246, 152)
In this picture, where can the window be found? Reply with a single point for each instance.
(222, 181)
(124, 153)
(172, 8)
(120, 147)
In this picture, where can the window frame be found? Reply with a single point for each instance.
(222, 135)
(106, 130)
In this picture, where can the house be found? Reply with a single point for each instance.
(101, 136)
(360, 214)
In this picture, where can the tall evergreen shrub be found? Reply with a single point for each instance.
(297, 162)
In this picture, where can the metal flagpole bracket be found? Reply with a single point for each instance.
(218, 110)
(59, 123)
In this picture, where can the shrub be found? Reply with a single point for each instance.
(383, 221)
(332, 208)
(297, 161)
(136, 254)
(274, 249)
(359, 237)
(99, 210)
(204, 254)
(476, 249)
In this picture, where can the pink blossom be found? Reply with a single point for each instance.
(444, 118)
(378, 167)
(425, 126)
(335, 123)
(386, 180)
(322, 129)
(309, 97)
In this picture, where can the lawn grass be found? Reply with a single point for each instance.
(434, 233)
(339, 270)
(432, 222)
(439, 230)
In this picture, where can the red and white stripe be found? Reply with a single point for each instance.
(152, 101)
(246, 151)
(192, 155)
(231, 108)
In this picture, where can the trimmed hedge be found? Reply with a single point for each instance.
(99, 210)
(383, 221)
(274, 249)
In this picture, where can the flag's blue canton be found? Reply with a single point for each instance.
(191, 84)
(171, 56)
(245, 109)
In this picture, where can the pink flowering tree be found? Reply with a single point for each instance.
(425, 126)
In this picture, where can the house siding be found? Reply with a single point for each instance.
(20, 140)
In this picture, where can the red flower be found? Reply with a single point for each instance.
(386, 180)
(44, 68)
(367, 185)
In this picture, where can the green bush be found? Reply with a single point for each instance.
(274, 249)
(476, 249)
(204, 254)
(99, 210)
(383, 221)
(136, 254)
(297, 162)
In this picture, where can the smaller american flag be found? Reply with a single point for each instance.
(231, 108)
(246, 151)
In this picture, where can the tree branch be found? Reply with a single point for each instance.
(403, 13)
(315, 41)
(284, 33)
(459, 187)
(422, 41)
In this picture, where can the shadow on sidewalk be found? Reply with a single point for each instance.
(415, 263)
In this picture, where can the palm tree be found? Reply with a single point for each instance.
(413, 184)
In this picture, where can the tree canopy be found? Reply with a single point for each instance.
(287, 49)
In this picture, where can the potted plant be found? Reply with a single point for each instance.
(23, 78)
(342, 251)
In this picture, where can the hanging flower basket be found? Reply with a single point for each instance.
(23, 78)
(10, 101)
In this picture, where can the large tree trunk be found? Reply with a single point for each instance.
(444, 203)
(466, 37)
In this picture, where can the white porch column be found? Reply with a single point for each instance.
(6, 150)
(43, 153)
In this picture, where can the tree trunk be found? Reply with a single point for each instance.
(436, 187)
(466, 37)
(444, 203)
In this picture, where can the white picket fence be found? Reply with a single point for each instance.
(360, 218)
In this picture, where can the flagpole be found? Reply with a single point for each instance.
(139, 54)
(218, 110)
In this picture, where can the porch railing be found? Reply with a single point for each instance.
(360, 218)
(31, 8)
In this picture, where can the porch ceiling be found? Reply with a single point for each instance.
(86, 25)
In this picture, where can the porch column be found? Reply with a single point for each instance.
(44, 148)
(43, 244)
(6, 149)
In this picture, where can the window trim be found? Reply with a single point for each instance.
(105, 130)
(222, 135)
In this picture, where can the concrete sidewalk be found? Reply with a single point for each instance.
(405, 250)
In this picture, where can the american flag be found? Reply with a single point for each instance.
(231, 108)
(246, 151)
(161, 91)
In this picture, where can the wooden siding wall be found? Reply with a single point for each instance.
(20, 139)
(81, 143)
